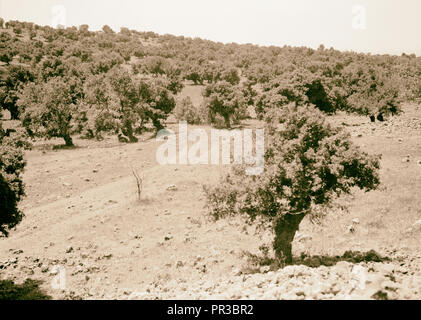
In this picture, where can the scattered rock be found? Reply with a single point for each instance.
(79, 269)
(69, 249)
(390, 285)
(356, 221)
(350, 229)
(264, 269)
(343, 266)
(416, 225)
(172, 187)
(302, 237)
(386, 268)
(135, 295)
(53, 271)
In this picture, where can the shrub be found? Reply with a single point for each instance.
(186, 111)
(317, 95)
(195, 77)
(100, 108)
(372, 92)
(29, 290)
(231, 76)
(157, 101)
(299, 86)
(50, 108)
(308, 165)
(16, 77)
(226, 100)
(12, 165)
(140, 101)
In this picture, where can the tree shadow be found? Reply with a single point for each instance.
(29, 290)
(64, 147)
(257, 261)
(349, 256)
(46, 147)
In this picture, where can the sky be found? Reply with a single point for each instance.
(376, 26)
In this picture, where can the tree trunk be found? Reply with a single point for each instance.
(128, 131)
(157, 124)
(68, 139)
(227, 121)
(14, 113)
(285, 229)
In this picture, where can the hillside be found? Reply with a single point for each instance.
(82, 212)
(106, 94)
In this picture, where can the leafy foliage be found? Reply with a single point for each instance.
(226, 100)
(308, 165)
(186, 111)
(118, 102)
(50, 108)
(29, 290)
(12, 165)
(15, 78)
(267, 77)
(371, 92)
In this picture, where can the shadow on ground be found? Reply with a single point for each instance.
(257, 261)
(29, 290)
(349, 256)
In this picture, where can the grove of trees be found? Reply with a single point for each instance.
(38, 59)
(66, 81)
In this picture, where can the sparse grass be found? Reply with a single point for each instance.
(380, 295)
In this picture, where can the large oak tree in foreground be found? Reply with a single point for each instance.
(308, 165)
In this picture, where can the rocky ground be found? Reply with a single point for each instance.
(396, 280)
(87, 235)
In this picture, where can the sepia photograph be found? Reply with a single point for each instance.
(211, 155)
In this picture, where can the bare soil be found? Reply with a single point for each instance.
(82, 213)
